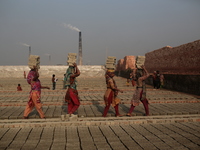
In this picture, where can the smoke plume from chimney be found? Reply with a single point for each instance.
(24, 44)
(71, 27)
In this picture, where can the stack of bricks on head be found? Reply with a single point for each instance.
(140, 61)
(71, 58)
(110, 63)
(34, 61)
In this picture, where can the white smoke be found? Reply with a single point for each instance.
(24, 44)
(71, 27)
(47, 54)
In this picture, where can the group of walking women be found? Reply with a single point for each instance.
(138, 80)
(71, 97)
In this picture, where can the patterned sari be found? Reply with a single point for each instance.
(34, 98)
(140, 93)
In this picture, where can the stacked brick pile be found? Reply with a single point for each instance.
(120, 65)
(71, 58)
(183, 59)
(110, 62)
(127, 63)
(34, 60)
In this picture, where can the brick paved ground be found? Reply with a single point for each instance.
(173, 124)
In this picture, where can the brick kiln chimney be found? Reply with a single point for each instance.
(80, 50)
(29, 51)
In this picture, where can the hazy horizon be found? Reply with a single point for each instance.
(109, 28)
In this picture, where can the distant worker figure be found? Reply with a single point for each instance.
(24, 74)
(110, 96)
(54, 80)
(154, 79)
(157, 80)
(162, 78)
(19, 88)
(71, 96)
(35, 94)
(140, 93)
(127, 82)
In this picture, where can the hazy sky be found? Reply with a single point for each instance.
(109, 28)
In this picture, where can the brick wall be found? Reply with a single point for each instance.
(180, 66)
(183, 59)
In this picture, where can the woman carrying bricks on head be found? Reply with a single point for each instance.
(72, 94)
(111, 93)
(140, 93)
(35, 93)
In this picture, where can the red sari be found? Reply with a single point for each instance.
(71, 95)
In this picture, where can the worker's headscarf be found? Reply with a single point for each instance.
(109, 72)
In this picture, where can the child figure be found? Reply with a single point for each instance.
(19, 87)
(54, 80)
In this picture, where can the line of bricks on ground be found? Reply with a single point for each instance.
(90, 115)
(96, 123)
(99, 103)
